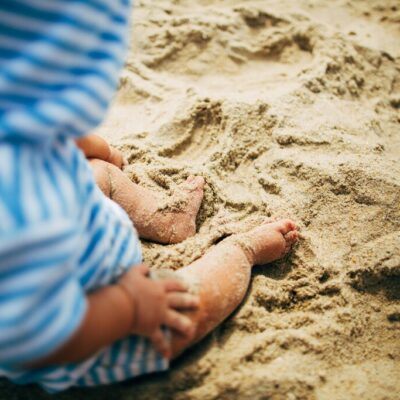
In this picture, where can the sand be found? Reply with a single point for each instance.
(287, 109)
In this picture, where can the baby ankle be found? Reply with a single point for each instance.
(242, 242)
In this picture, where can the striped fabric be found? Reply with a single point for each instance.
(60, 237)
(59, 64)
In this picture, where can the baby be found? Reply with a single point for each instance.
(77, 306)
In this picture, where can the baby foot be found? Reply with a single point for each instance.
(269, 241)
(183, 224)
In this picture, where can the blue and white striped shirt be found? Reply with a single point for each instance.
(59, 63)
(60, 237)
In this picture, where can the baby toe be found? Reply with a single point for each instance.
(292, 236)
(199, 182)
(190, 178)
(291, 239)
(195, 183)
(285, 226)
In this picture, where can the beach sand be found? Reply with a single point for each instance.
(287, 109)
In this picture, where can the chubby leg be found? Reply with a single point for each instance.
(147, 209)
(223, 274)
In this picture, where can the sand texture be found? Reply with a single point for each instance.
(287, 109)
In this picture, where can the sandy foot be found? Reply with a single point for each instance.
(269, 241)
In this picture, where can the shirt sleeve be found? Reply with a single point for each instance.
(41, 301)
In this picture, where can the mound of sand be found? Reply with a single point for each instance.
(287, 109)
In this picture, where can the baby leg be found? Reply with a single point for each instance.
(144, 206)
(223, 274)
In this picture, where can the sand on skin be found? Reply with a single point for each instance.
(286, 110)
